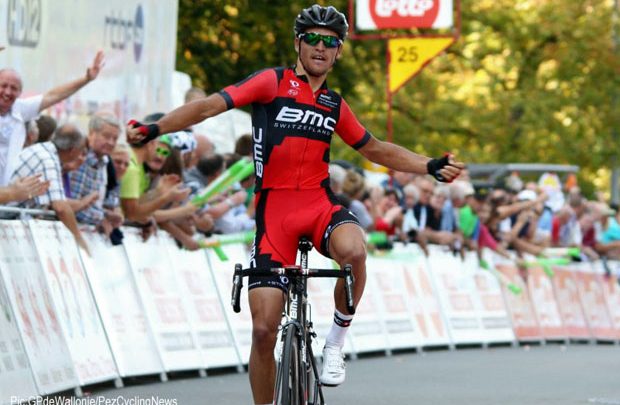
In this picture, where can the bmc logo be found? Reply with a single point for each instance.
(404, 13)
(297, 116)
(24, 22)
(122, 32)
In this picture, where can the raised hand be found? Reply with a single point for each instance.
(93, 71)
(445, 169)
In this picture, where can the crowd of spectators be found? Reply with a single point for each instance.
(94, 178)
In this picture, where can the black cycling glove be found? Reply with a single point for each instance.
(150, 131)
(435, 165)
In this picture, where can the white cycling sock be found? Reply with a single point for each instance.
(339, 329)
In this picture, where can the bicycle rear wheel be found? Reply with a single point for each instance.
(289, 389)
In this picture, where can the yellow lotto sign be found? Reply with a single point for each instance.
(407, 56)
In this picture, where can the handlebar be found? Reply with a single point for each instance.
(292, 271)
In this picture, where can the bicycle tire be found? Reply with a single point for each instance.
(288, 388)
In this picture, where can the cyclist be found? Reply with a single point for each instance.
(294, 116)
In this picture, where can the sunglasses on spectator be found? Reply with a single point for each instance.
(163, 152)
(312, 38)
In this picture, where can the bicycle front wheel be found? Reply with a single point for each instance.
(289, 389)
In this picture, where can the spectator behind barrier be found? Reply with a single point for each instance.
(177, 218)
(194, 93)
(398, 180)
(46, 125)
(336, 178)
(15, 112)
(91, 178)
(32, 133)
(210, 168)
(144, 161)
(389, 213)
(354, 188)
(442, 229)
(607, 232)
(566, 231)
(77, 204)
(240, 217)
(117, 166)
(23, 189)
(46, 159)
(243, 145)
(411, 227)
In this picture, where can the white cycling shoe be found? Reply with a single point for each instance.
(333, 372)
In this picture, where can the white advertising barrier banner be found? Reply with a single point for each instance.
(16, 375)
(204, 308)
(569, 302)
(387, 14)
(321, 299)
(590, 284)
(222, 273)
(611, 291)
(458, 296)
(388, 274)
(545, 303)
(368, 329)
(523, 317)
(82, 327)
(161, 298)
(138, 38)
(490, 302)
(424, 301)
(123, 317)
(39, 317)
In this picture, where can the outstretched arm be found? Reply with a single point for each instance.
(63, 91)
(178, 119)
(192, 113)
(398, 158)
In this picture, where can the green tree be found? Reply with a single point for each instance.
(527, 81)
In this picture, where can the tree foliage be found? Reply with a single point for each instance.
(527, 80)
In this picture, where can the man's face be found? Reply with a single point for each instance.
(74, 159)
(426, 191)
(157, 157)
(317, 59)
(410, 200)
(437, 201)
(10, 89)
(120, 159)
(103, 141)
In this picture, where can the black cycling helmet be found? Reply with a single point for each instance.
(324, 17)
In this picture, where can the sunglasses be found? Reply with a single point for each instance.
(312, 38)
(163, 152)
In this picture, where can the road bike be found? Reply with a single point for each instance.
(297, 376)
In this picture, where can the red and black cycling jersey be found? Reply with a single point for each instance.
(292, 127)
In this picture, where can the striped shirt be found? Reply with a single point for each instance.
(91, 176)
(41, 158)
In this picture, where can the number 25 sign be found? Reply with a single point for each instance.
(389, 14)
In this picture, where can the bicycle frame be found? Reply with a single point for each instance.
(297, 313)
(297, 358)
